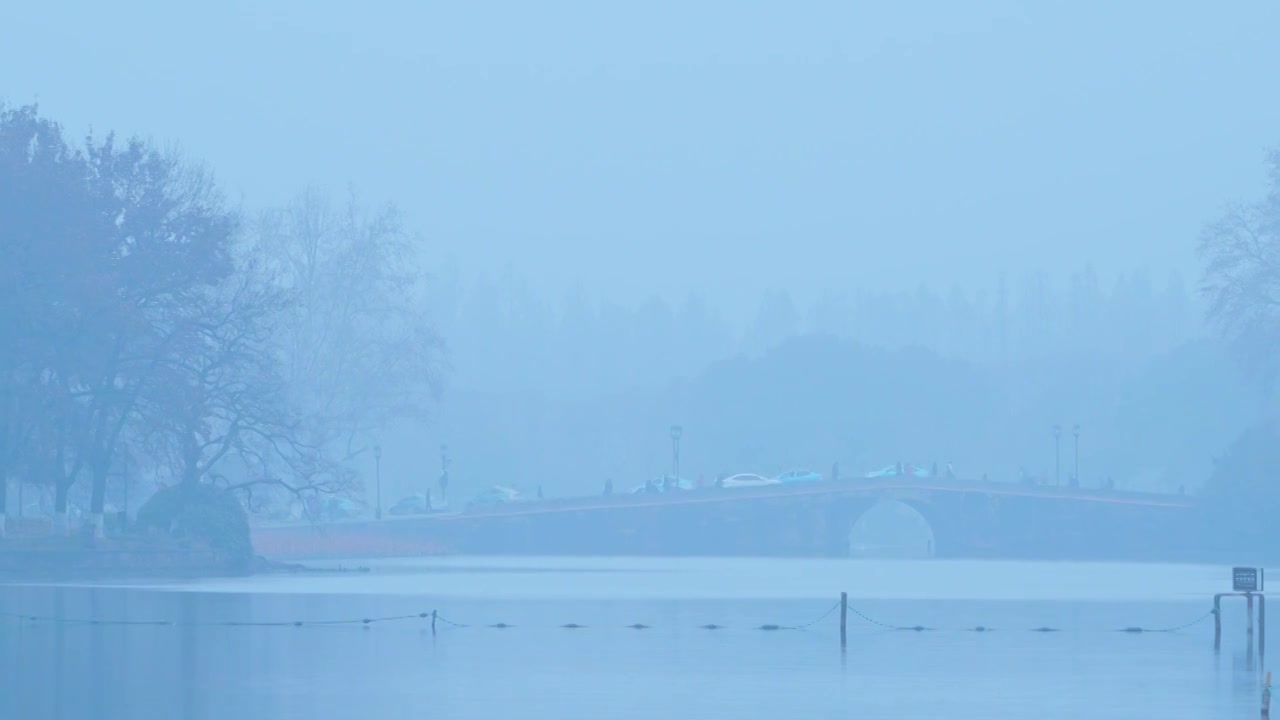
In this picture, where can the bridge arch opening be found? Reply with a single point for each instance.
(891, 528)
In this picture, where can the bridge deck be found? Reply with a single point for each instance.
(821, 488)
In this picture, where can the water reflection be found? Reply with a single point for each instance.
(537, 669)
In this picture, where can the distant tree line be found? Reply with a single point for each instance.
(1130, 357)
(583, 346)
(146, 327)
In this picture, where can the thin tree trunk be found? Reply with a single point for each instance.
(190, 457)
(60, 524)
(98, 498)
(62, 478)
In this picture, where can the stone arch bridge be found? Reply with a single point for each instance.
(966, 519)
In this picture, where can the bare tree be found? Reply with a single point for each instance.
(1241, 253)
(134, 327)
(223, 408)
(358, 350)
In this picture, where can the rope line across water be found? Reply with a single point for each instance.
(434, 617)
(1175, 629)
(1133, 629)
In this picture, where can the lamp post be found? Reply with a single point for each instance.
(1057, 454)
(444, 474)
(377, 473)
(1075, 477)
(676, 431)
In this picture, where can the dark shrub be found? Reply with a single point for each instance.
(202, 515)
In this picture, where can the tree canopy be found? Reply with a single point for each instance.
(146, 325)
(1241, 252)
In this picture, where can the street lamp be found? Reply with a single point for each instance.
(444, 474)
(676, 431)
(1075, 478)
(1057, 455)
(377, 460)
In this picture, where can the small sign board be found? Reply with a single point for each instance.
(1246, 579)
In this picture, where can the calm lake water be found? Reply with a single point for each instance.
(399, 669)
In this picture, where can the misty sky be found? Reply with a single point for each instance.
(728, 146)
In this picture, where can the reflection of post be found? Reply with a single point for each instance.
(189, 671)
(1266, 696)
(1262, 626)
(1249, 615)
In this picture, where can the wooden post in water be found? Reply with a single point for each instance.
(844, 619)
(433, 622)
(1217, 622)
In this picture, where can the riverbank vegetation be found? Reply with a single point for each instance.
(152, 329)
